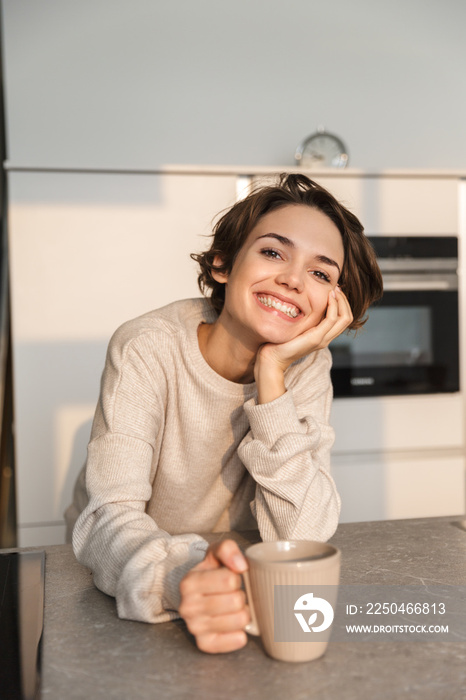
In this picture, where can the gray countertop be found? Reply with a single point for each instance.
(89, 653)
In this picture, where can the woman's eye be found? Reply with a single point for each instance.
(321, 275)
(271, 253)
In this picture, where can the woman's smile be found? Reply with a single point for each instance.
(274, 303)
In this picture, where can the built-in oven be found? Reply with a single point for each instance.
(410, 343)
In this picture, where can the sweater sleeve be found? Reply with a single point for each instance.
(131, 558)
(287, 452)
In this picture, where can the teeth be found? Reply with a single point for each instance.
(290, 311)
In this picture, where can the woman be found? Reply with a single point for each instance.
(213, 413)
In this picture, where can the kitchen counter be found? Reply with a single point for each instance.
(89, 653)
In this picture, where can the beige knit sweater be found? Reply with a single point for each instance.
(176, 449)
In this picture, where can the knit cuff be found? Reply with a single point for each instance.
(196, 553)
(270, 421)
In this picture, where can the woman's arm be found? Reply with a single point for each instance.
(273, 360)
(287, 451)
(131, 558)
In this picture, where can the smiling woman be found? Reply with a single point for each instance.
(273, 295)
(287, 263)
(359, 277)
(214, 413)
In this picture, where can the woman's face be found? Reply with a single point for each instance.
(281, 279)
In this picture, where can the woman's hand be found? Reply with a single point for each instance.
(212, 602)
(273, 359)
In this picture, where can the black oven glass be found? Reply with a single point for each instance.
(409, 345)
(398, 337)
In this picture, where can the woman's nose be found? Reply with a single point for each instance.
(291, 277)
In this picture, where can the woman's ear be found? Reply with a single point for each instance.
(218, 276)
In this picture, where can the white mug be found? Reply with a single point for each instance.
(278, 573)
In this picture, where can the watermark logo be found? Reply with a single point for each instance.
(309, 603)
(304, 613)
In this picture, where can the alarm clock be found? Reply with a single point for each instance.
(322, 150)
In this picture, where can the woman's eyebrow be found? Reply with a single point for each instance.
(283, 239)
(328, 261)
(288, 242)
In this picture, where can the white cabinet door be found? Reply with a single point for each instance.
(393, 205)
(432, 421)
(410, 206)
(396, 205)
(389, 486)
(88, 252)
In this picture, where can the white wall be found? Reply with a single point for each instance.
(141, 83)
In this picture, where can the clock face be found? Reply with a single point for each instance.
(322, 150)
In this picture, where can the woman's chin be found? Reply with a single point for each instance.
(278, 337)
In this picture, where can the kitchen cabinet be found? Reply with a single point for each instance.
(87, 252)
(90, 250)
(396, 423)
(385, 485)
(380, 460)
(419, 204)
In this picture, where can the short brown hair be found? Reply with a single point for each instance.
(360, 279)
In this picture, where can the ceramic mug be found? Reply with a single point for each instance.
(287, 585)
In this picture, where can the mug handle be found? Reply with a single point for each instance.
(253, 626)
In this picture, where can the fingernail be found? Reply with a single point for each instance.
(240, 562)
(333, 294)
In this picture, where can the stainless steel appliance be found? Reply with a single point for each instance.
(410, 342)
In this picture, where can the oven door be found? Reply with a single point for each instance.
(409, 344)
